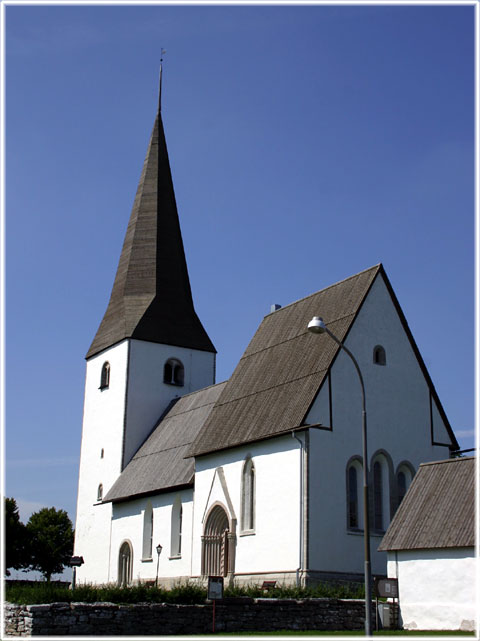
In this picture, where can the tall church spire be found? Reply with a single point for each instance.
(151, 299)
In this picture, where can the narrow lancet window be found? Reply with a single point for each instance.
(147, 532)
(379, 355)
(377, 497)
(404, 476)
(100, 492)
(402, 486)
(105, 376)
(248, 496)
(352, 498)
(176, 528)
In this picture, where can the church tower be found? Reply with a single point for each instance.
(149, 348)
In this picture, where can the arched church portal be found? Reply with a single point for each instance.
(216, 543)
(125, 563)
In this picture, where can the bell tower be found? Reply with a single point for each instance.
(150, 347)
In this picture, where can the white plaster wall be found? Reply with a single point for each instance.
(127, 524)
(103, 417)
(134, 404)
(437, 588)
(274, 546)
(398, 421)
(148, 395)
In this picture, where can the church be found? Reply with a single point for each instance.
(258, 477)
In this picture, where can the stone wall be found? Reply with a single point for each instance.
(231, 615)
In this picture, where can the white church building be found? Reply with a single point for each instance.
(258, 477)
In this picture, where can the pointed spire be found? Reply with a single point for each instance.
(162, 51)
(151, 298)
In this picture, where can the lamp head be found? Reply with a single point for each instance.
(316, 325)
(159, 549)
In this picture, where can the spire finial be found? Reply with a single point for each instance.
(162, 51)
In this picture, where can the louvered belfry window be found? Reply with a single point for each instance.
(174, 372)
(215, 544)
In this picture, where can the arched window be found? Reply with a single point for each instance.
(377, 496)
(105, 376)
(401, 485)
(100, 492)
(404, 476)
(379, 355)
(354, 496)
(125, 563)
(248, 496)
(173, 372)
(147, 532)
(176, 528)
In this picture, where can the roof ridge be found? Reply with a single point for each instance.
(456, 459)
(364, 271)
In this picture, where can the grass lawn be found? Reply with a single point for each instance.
(347, 633)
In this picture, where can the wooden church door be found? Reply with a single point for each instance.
(215, 543)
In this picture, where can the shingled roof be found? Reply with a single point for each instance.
(282, 369)
(277, 379)
(438, 510)
(151, 298)
(160, 463)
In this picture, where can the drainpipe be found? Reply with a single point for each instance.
(300, 547)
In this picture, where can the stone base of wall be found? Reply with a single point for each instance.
(231, 615)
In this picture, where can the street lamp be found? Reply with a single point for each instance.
(317, 326)
(159, 551)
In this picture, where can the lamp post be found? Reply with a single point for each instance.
(159, 551)
(317, 326)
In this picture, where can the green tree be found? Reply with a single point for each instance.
(50, 539)
(15, 535)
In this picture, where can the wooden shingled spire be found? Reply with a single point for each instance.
(151, 299)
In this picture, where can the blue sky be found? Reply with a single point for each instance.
(306, 144)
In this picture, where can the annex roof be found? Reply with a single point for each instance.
(151, 298)
(160, 463)
(438, 510)
(277, 379)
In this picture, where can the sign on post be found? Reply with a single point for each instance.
(215, 587)
(215, 591)
(387, 588)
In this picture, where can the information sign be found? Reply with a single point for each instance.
(387, 588)
(215, 587)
